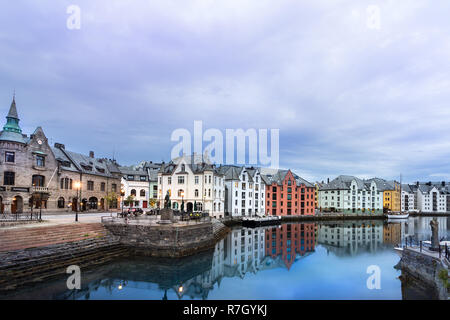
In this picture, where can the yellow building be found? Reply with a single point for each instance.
(391, 197)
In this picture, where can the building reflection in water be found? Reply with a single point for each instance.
(351, 238)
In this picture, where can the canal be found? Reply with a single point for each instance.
(329, 260)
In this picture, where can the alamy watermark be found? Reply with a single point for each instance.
(74, 280)
(74, 20)
(248, 147)
(374, 280)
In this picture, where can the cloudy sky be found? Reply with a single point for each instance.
(350, 93)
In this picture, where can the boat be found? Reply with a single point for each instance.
(397, 216)
(260, 221)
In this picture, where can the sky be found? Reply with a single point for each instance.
(354, 87)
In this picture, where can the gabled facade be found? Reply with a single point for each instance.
(409, 202)
(244, 191)
(288, 194)
(431, 198)
(34, 175)
(350, 194)
(194, 181)
(135, 185)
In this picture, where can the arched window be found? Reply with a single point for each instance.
(62, 183)
(183, 167)
(66, 183)
(61, 203)
(133, 192)
(196, 192)
(142, 193)
(70, 184)
(180, 192)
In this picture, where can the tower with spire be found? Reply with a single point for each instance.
(11, 130)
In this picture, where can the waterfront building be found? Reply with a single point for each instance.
(135, 186)
(349, 194)
(290, 241)
(391, 194)
(409, 203)
(351, 238)
(194, 181)
(432, 197)
(152, 169)
(287, 193)
(244, 191)
(36, 176)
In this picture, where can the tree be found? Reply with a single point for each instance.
(111, 198)
(129, 200)
(152, 202)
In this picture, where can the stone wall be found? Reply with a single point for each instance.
(167, 240)
(424, 268)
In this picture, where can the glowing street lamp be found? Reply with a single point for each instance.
(78, 188)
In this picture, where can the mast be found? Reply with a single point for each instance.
(400, 192)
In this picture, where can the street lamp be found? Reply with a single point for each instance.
(122, 194)
(78, 188)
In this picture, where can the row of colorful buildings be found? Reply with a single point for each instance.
(37, 176)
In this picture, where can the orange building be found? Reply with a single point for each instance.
(290, 240)
(288, 194)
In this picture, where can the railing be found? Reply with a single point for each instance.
(39, 189)
(24, 216)
(150, 219)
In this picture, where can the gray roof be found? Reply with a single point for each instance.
(13, 137)
(279, 175)
(343, 182)
(85, 164)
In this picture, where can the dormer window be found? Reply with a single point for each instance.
(130, 177)
(183, 167)
(100, 169)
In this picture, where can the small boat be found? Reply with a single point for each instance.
(398, 215)
(260, 221)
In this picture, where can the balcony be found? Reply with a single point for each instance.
(35, 189)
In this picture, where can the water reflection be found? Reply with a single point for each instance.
(291, 261)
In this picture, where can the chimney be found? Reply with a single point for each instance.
(443, 183)
(417, 183)
(328, 180)
(91, 154)
(59, 146)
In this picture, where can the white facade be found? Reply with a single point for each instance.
(430, 199)
(245, 191)
(350, 194)
(409, 203)
(135, 183)
(197, 184)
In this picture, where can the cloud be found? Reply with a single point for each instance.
(346, 98)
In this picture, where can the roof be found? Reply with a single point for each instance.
(343, 182)
(278, 175)
(193, 162)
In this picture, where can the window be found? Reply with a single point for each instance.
(8, 178)
(130, 177)
(133, 192)
(114, 187)
(90, 185)
(196, 179)
(183, 167)
(40, 161)
(169, 180)
(102, 186)
(142, 193)
(180, 180)
(37, 181)
(143, 178)
(196, 192)
(9, 156)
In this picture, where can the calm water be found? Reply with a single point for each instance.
(292, 261)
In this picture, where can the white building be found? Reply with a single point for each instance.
(409, 203)
(244, 191)
(431, 198)
(135, 183)
(194, 181)
(351, 194)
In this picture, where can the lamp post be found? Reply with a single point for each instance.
(122, 194)
(78, 188)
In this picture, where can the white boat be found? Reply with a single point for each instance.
(397, 215)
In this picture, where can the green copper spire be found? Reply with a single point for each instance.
(12, 119)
